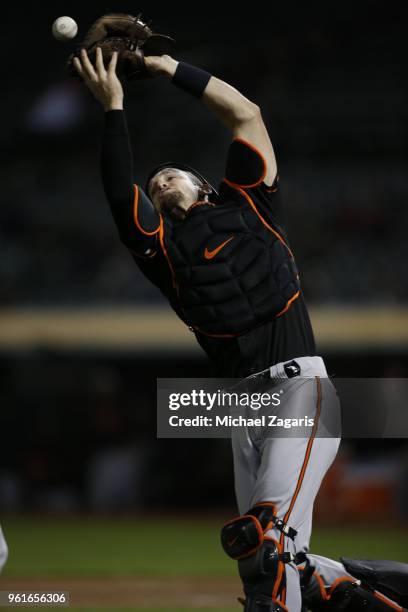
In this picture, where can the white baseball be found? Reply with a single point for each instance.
(64, 28)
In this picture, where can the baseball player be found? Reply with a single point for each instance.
(223, 261)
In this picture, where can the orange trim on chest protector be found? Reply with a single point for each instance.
(256, 211)
(135, 215)
(258, 152)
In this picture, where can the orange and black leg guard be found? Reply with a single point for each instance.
(345, 594)
(243, 539)
(258, 573)
(354, 597)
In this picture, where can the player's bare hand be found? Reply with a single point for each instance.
(102, 82)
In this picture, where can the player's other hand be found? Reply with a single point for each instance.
(103, 82)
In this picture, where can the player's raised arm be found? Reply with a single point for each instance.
(234, 110)
(135, 217)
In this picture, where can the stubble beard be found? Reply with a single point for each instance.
(172, 204)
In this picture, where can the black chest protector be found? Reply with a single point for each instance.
(232, 270)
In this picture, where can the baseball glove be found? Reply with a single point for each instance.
(130, 36)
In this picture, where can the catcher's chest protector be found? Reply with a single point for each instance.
(231, 272)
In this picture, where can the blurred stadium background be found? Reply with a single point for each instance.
(83, 336)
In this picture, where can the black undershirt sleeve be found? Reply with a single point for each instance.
(117, 179)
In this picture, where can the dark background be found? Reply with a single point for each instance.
(78, 422)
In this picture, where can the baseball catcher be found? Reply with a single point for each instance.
(221, 257)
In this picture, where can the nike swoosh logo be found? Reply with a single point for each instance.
(210, 254)
(232, 542)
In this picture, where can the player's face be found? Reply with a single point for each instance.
(172, 190)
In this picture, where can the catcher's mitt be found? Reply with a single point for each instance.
(130, 36)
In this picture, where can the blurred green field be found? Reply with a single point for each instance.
(161, 547)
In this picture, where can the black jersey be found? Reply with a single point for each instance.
(283, 337)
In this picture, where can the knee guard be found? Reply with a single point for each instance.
(244, 535)
(243, 539)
